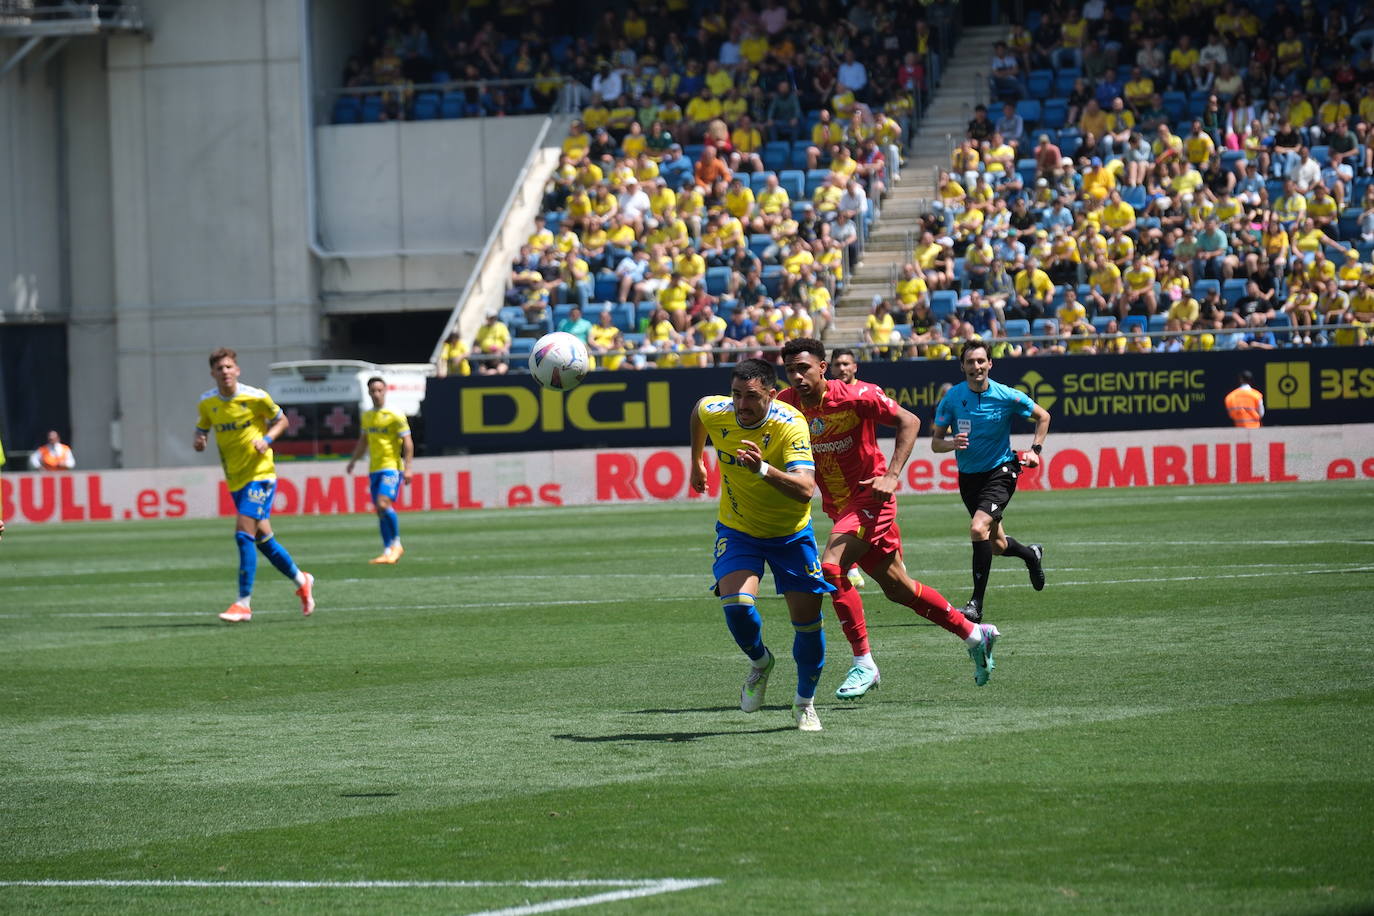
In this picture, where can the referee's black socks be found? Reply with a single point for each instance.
(982, 566)
(1016, 549)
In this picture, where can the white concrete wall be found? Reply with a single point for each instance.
(208, 208)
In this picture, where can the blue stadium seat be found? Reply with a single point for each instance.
(1135, 321)
(693, 151)
(347, 110)
(798, 158)
(511, 315)
(623, 315)
(772, 279)
(1045, 327)
(1026, 169)
(642, 312)
(1348, 225)
(605, 289)
(1322, 154)
(1282, 326)
(1029, 110)
(520, 348)
(1064, 80)
(1232, 291)
(1039, 83)
(452, 107)
(1158, 320)
(1135, 196)
(814, 179)
(1053, 112)
(943, 303)
(1176, 105)
(759, 241)
(793, 182)
(717, 280)
(1203, 287)
(777, 155)
(1100, 323)
(561, 312)
(1229, 158)
(1018, 327)
(756, 180)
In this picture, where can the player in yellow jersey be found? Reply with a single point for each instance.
(767, 478)
(386, 436)
(245, 420)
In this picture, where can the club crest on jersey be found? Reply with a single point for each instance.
(767, 438)
(817, 426)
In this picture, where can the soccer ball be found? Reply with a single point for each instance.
(559, 361)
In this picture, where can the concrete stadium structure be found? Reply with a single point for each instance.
(179, 189)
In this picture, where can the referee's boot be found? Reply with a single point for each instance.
(1036, 567)
(974, 610)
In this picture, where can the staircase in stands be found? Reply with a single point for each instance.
(964, 85)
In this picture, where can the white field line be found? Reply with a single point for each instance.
(573, 602)
(628, 889)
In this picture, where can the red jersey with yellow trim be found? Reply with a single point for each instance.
(844, 438)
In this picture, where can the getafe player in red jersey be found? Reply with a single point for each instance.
(858, 490)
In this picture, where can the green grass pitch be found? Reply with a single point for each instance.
(1181, 722)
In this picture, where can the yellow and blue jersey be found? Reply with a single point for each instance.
(385, 430)
(236, 422)
(748, 503)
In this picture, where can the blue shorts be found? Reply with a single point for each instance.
(255, 500)
(794, 559)
(384, 483)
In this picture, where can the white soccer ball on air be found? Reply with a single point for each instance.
(559, 361)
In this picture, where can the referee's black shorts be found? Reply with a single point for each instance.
(990, 490)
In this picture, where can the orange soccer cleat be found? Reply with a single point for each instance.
(307, 596)
(237, 613)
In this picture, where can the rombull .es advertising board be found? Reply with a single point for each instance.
(616, 476)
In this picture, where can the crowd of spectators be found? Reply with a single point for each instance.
(715, 193)
(514, 57)
(1135, 192)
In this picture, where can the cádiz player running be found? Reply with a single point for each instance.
(858, 490)
(767, 478)
(386, 436)
(245, 420)
(981, 411)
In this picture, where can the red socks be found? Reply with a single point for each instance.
(849, 607)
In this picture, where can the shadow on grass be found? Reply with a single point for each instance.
(368, 794)
(673, 712)
(668, 737)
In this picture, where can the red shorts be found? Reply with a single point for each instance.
(875, 523)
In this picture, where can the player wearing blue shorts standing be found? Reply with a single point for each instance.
(245, 420)
(973, 420)
(386, 435)
(767, 478)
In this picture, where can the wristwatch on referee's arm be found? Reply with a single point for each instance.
(1037, 448)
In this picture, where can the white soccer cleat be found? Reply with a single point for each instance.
(756, 685)
(806, 718)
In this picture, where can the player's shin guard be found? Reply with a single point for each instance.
(849, 607)
(808, 651)
(933, 606)
(248, 562)
(276, 555)
(745, 624)
(982, 568)
(390, 526)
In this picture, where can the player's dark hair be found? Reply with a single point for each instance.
(1245, 376)
(376, 378)
(749, 369)
(220, 353)
(974, 343)
(803, 345)
(836, 353)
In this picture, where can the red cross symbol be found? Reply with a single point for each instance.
(294, 421)
(337, 420)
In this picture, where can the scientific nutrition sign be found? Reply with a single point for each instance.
(1083, 393)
